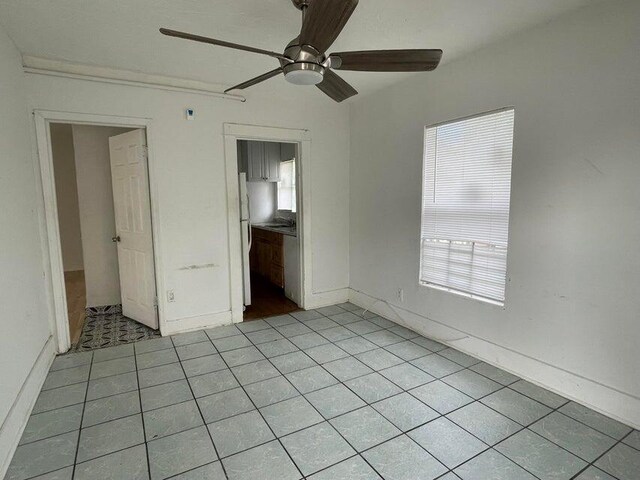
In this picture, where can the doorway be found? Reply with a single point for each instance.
(302, 141)
(102, 210)
(269, 228)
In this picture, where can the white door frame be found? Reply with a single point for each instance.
(55, 272)
(302, 138)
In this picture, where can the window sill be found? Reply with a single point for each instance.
(460, 293)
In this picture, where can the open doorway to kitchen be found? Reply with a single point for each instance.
(103, 213)
(268, 191)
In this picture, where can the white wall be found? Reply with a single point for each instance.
(188, 161)
(574, 263)
(67, 196)
(97, 218)
(24, 310)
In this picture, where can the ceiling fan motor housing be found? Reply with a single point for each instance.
(306, 66)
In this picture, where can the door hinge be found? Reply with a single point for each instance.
(155, 301)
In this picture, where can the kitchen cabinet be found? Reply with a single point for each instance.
(262, 161)
(266, 255)
(272, 161)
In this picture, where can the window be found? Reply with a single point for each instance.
(465, 205)
(287, 186)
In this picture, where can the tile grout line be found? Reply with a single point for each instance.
(84, 404)
(467, 368)
(73, 466)
(443, 416)
(144, 428)
(349, 355)
(402, 432)
(524, 427)
(324, 419)
(125, 448)
(204, 422)
(86, 461)
(125, 356)
(593, 463)
(368, 404)
(340, 382)
(328, 421)
(78, 429)
(259, 413)
(502, 387)
(474, 364)
(329, 341)
(463, 368)
(196, 468)
(490, 447)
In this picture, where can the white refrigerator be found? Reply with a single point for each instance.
(245, 232)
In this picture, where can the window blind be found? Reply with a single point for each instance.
(465, 207)
(287, 186)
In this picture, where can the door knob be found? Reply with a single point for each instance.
(115, 239)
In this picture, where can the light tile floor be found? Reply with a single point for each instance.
(324, 395)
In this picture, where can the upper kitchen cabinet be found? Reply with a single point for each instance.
(255, 161)
(262, 160)
(272, 161)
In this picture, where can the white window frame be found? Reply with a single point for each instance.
(294, 187)
(452, 242)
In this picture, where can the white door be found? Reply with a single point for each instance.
(129, 176)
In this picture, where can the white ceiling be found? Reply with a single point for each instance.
(124, 33)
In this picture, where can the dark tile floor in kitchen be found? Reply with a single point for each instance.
(323, 395)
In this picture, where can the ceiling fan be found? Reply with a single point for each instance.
(305, 62)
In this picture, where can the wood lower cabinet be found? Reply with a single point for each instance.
(266, 257)
(276, 275)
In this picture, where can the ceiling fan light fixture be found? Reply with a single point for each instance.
(304, 73)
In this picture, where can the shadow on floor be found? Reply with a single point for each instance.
(267, 300)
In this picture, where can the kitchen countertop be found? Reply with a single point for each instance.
(291, 231)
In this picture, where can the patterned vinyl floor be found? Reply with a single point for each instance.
(109, 329)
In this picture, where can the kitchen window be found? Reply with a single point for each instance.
(287, 186)
(465, 205)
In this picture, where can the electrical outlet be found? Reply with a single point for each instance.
(171, 297)
(400, 295)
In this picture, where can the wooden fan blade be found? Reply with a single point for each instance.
(334, 86)
(253, 81)
(221, 43)
(323, 22)
(387, 60)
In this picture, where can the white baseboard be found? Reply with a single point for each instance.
(619, 405)
(190, 324)
(211, 320)
(324, 299)
(16, 419)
